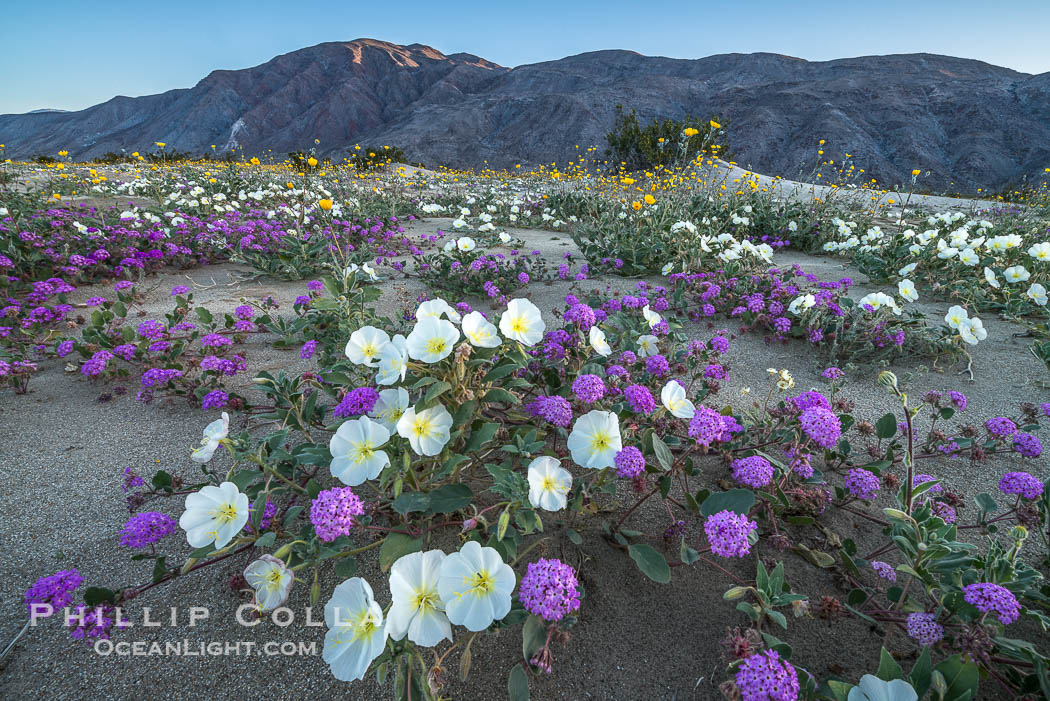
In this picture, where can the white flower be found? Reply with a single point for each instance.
(356, 634)
(272, 581)
(792, 226)
(647, 346)
(956, 316)
(390, 407)
(355, 454)
(972, 330)
(437, 308)
(801, 304)
(675, 400)
(504, 237)
(1037, 293)
(666, 270)
(480, 332)
(989, 276)
(877, 300)
(428, 431)
(393, 361)
(1016, 273)
(416, 608)
(213, 433)
(650, 316)
(907, 269)
(595, 439)
(365, 345)
(598, 342)
(969, 257)
(549, 484)
(475, 586)
(522, 322)
(214, 515)
(432, 339)
(907, 290)
(466, 244)
(871, 688)
(1040, 251)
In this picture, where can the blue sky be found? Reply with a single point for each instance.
(70, 55)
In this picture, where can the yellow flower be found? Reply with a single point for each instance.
(160, 144)
(57, 196)
(689, 131)
(254, 161)
(715, 125)
(290, 185)
(63, 153)
(135, 154)
(636, 206)
(916, 172)
(325, 204)
(650, 200)
(311, 161)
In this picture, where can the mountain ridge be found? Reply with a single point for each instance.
(970, 123)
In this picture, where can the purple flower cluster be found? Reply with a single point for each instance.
(548, 589)
(629, 462)
(884, 570)
(215, 340)
(728, 532)
(1027, 445)
(640, 399)
(1001, 427)
(159, 376)
(657, 365)
(958, 399)
(55, 590)
(332, 512)
(993, 598)
(862, 483)
(581, 315)
(588, 388)
(357, 401)
(308, 349)
(1021, 483)
(924, 629)
(146, 528)
(216, 399)
(553, 409)
(821, 425)
(708, 426)
(754, 471)
(810, 399)
(765, 677)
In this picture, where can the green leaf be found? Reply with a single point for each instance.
(266, 540)
(663, 453)
(650, 562)
(159, 570)
(500, 371)
(449, 498)
(920, 673)
(346, 567)
(498, 394)
(395, 546)
(815, 557)
(435, 391)
(574, 536)
(481, 436)
(204, 315)
(986, 503)
(533, 635)
(409, 502)
(518, 684)
(738, 501)
(94, 596)
(960, 677)
(162, 481)
(888, 667)
(886, 427)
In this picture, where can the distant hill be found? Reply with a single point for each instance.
(968, 122)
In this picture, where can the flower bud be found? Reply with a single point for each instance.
(188, 565)
(1019, 533)
(888, 380)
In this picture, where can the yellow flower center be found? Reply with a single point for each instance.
(424, 600)
(421, 427)
(436, 346)
(518, 325)
(482, 582)
(600, 441)
(365, 450)
(225, 513)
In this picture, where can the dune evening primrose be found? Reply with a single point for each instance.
(355, 451)
(393, 361)
(480, 332)
(674, 399)
(213, 433)
(647, 345)
(432, 340)
(416, 609)
(475, 585)
(214, 515)
(365, 345)
(598, 342)
(390, 407)
(549, 484)
(595, 439)
(356, 634)
(522, 322)
(437, 308)
(271, 580)
(427, 431)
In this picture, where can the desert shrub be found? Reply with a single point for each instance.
(633, 147)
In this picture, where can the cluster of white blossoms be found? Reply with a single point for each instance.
(429, 591)
(970, 329)
(723, 246)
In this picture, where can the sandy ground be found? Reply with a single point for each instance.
(63, 453)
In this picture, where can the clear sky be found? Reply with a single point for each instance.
(69, 54)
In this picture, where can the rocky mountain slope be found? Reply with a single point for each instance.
(969, 123)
